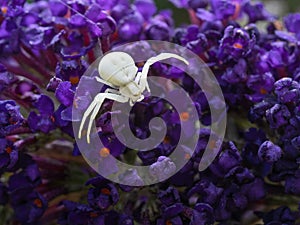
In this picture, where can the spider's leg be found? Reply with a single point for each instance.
(104, 82)
(90, 109)
(93, 116)
(163, 56)
(99, 100)
(141, 98)
(131, 103)
(138, 77)
(151, 61)
(85, 115)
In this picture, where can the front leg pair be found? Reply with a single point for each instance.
(94, 107)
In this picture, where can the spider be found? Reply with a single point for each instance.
(118, 71)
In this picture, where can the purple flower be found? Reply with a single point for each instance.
(6, 78)
(8, 155)
(103, 194)
(77, 214)
(258, 111)
(254, 138)
(195, 4)
(131, 176)
(268, 152)
(27, 90)
(226, 160)
(209, 192)
(147, 8)
(260, 85)
(158, 28)
(286, 36)
(292, 22)
(223, 8)
(64, 93)
(278, 115)
(292, 183)
(287, 90)
(175, 220)
(107, 24)
(199, 45)
(10, 117)
(28, 178)
(240, 175)
(296, 142)
(57, 8)
(281, 215)
(236, 43)
(283, 168)
(130, 27)
(62, 118)
(163, 168)
(9, 37)
(53, 84)
(256, 12)
(206, 16)
(202, 214)
(28, 205)
(169, 196)
(44, 121)
(70, 70)
(254, 190)
(278, 56)
(172, 210)
(236, 74)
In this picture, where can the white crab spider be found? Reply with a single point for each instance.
(118, 70)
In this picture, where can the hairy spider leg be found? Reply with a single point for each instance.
(162, 56)
(99, 99)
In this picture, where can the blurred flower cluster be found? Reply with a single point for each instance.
(45, 48)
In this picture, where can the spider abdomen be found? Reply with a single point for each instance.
(118, 68)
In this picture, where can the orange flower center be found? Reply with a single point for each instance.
(52, 119)
(105, 191)
(166, 140)
(263, 91)
(74, 80)
(12, 121)
(38, 203)
(4, 9)
(238, 45)
(93, 214)
(212, 144)
(184, 116)
(8, 150)
(104, 152)
(168, 222)
(187, 156)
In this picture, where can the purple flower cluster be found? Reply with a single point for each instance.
(45, 48)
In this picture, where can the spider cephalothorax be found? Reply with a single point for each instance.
(118, 70)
